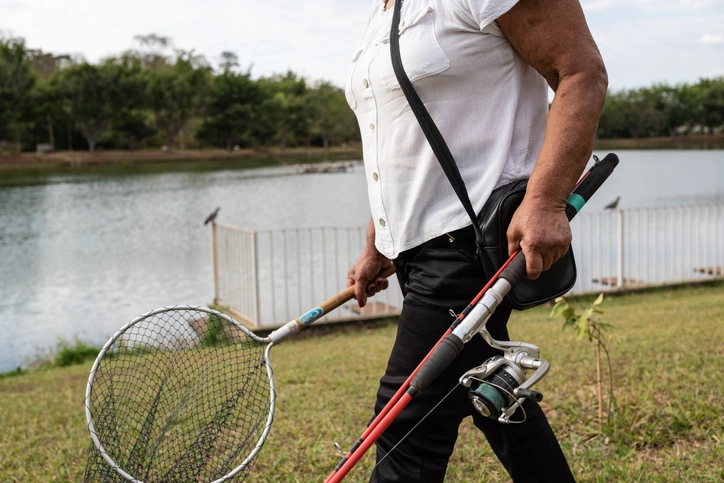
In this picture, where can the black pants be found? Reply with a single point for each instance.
(437, 276)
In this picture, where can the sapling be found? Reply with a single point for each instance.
(587, 324)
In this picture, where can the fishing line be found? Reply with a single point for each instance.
(413, 428)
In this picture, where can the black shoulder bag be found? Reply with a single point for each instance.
(491, 224)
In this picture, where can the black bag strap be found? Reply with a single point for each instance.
(432, 133)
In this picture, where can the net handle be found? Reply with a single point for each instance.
(322, 309)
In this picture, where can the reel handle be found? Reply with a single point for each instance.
(529, 394)
(515, 271)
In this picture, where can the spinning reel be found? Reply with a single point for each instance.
(501, 384)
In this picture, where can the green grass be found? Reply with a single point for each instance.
(667, 426)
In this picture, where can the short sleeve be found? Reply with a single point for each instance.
(482, 13)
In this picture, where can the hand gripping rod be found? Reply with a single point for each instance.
(467, 325)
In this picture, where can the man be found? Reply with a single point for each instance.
(481, 67)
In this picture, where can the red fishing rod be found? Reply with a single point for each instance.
(470, 322)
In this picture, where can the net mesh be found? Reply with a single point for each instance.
(182, 396)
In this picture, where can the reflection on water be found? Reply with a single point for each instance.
(83, 254)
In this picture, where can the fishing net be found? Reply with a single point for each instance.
(180, 395)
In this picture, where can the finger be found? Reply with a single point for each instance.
(513, 241)
(381, 284)
(360, 292)
(533, 264)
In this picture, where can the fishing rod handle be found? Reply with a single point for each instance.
(515, 272)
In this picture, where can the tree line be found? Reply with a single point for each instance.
(150, 98)
(664, 110)
(154, 96)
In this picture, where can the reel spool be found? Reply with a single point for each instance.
(496, 391)
(499, 386)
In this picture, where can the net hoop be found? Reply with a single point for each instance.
(122, 330)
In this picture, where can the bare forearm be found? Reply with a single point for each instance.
(553, 37)
(370, 237)
(569, 137)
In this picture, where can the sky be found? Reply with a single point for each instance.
(642, 41)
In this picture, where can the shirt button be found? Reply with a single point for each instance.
(375, 177)
(382, 222)
(372, 127)
(366, 83)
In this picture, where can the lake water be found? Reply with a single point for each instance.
(82, 254)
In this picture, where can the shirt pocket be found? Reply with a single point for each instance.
(348, 93)
(420, 50)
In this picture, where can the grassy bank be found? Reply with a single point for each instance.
(271, 156)
(20, 166)
(668, 424)
(700, 141)
(80, 159)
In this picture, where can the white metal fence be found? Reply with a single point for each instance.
(648, 246)
(270, 277)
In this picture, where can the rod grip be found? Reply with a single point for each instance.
(596, 176)
(443, 355)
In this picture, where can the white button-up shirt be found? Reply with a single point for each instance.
(489, 105)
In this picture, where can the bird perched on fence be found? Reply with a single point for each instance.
(612, 205)
(212, 216)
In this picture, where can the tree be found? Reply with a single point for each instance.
(233, 101)
(47, 104)
(329, 115)
(152, 52)
(284, 107)
(675, 107)
(99, 94)
(45, 64)
(709, 95)
(229, 60)
(177, 92)
(16, 84)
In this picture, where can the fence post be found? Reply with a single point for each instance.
(619, 241)
(255, 278)
(215, 261)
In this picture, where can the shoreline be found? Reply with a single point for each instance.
(699, 141)
(252, 157)
(270, 156)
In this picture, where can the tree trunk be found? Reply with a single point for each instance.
(51, 133)
(70, 137)
(283, 140)
(92, 134)
(228, 142)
